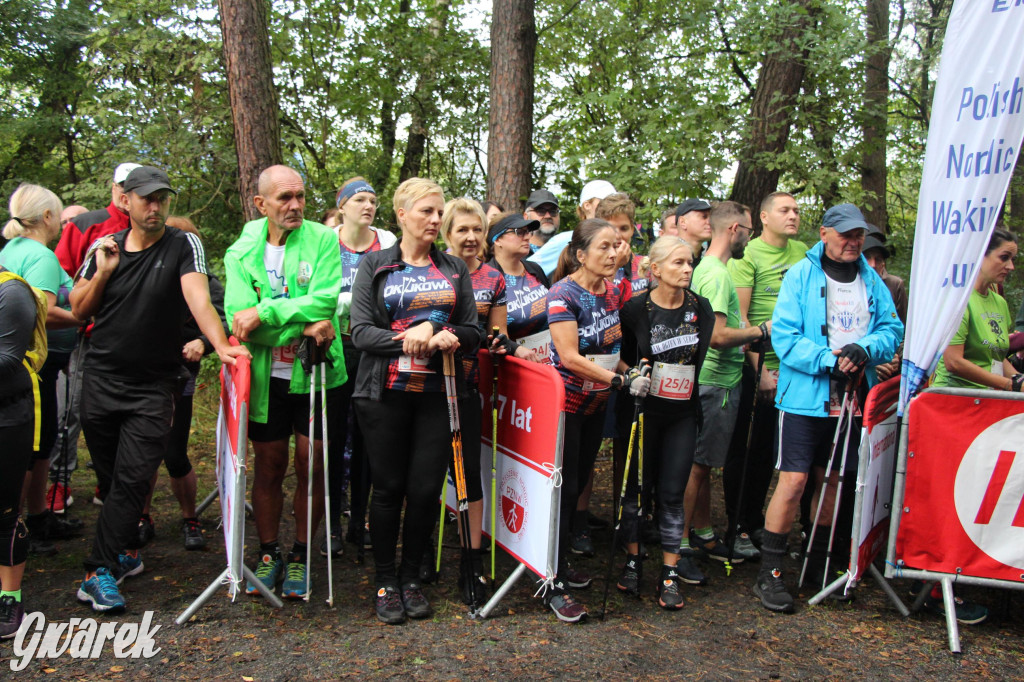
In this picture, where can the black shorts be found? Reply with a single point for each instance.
(805, 442)
(288, 413)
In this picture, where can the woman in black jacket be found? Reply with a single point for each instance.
(410, 303)
(670, 326)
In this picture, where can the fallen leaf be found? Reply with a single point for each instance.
(117, 668)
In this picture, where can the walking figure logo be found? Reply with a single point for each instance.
(514, 503)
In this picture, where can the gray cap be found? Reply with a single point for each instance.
(539, 197)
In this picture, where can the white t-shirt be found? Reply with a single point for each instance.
(282, 356)
(848, 321)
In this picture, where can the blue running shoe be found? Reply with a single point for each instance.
(295, 585)
(101, 592)
(128, 566)
(268, 571)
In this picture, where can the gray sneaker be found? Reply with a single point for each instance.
(688, 572)
(742, 547)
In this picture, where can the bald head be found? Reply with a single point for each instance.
(275, 175)
(70, 212)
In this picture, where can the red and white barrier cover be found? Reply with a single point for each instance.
(232, 426)
(530, 401)
(963, 510)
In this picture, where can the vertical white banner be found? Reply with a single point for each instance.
(973, 141)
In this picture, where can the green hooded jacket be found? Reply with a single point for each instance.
(312, 265)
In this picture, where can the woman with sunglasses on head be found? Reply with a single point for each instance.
(583, 314)
(526, 285)
(410, 304)
(353, 222)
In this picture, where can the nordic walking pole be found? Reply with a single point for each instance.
(494, 449)
(327, 483)
(842, 471)
(70, 384)
(843, 409)
(635, 429)
(734, 528)
(461, 494)
(309, 475)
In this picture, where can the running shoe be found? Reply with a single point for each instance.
(576, 578)
(742, 546)
(967, 612)
(97, 499)
(688, 571)
(712, 548)
(337, 544)
(40, 546)
(632, 572)
(582, 544)
(147, 530)
(416, 605)
(389, 607)
(101, 592)
(567, 609)
(11, 615)
(129, 564)
(268, 571)
(668, 593)
(58, 498)
(295, 585)
(771, 589)
(192, 532)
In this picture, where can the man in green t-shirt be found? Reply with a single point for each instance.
(758, 279)
(720, 375)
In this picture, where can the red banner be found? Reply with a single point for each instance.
(964, 501)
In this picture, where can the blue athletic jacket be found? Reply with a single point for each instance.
(799, 334)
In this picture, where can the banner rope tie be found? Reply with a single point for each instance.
(235, 585)
(545, 584)
(554, 474)
(899, 569)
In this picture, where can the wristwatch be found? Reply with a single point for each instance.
(617, 381)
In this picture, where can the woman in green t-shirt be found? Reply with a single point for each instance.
(976, 356)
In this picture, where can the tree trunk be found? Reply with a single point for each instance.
(254, 109)
(424, 108)
(778, 84)
(510, 139)
(874, 171)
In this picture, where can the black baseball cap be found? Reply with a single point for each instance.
(510, 222)
(539, 197)
(692, 205)
(877, 232)
(145, 180)
(873, 242)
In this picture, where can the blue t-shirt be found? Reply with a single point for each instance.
(413, 295)
(39, 266)
(598, 333)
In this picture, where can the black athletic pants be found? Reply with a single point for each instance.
(408, 453)
(760, 464)
(55, 362)
(581, 441)
(17, 459)
(127, 425)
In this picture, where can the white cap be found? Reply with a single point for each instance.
(122, 171)
(596, 189)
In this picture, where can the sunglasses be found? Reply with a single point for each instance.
(519, 231)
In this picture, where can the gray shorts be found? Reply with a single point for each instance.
(720, 406)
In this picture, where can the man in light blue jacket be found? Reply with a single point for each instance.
(834, 319)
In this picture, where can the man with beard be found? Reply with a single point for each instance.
(719, 381)
(542, 206)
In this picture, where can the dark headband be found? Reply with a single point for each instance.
(351, 189)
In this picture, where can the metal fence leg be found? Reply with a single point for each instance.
(951, 625)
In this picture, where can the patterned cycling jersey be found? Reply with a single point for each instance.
(413, 295)
(527, 306)
(350, 261)
(638, 283)
(598, 333)
(488, 291)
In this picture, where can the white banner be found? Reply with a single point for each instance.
(973, 141)
(232, 423)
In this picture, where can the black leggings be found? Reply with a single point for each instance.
(581, 441)
(408, 453)
(760, 464)
(176, 458)
(17, 458)
(55, 362)
(669, 443)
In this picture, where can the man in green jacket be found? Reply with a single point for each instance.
(283, 281)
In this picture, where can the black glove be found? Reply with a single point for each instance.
(1016, 382)
(310, 354)
(855, 354)
(499, 340)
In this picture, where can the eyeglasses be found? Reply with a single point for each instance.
(519, 232)
(540, 210)
(745, 227)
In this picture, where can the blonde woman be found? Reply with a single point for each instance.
(410, 303)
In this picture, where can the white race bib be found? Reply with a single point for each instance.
(539, 343)
(413, 365)
(997, 367)
(608, 362)
(672, 382)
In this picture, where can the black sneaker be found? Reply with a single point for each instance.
(428, 572)
(576, 578)
(192, 532)
(147, 530)
(389, 605)
(669, 596)
(416, 605)
(688, 572)
(11, 615)
(582, 544)
(713, 548)
(632, 572)
(567, 609)
(48, 526)
(773, 593)
(41, 547)
(967, 612)
(337, 544)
